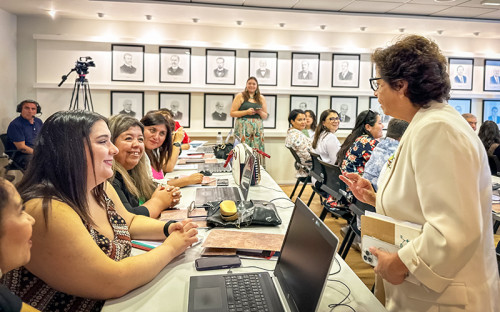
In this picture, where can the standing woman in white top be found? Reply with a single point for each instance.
(325, 143)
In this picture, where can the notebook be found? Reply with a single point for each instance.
(300, 274)
(219, 193)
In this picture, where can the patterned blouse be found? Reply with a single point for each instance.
(301, 145)
(38, 294)
(358, 154)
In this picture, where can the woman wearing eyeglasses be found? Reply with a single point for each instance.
(325, 143)
(439, 177)
(358, 146)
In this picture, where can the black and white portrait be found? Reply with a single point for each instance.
(305, 69)
(345, 70)
(491, 111)
(304, 102)
(461, 71)
(376, 107)
(217, 109)
(129, 103)
(463, 106)
(264, 67)
(491, 75)
(179, 104)
(347, 107)
(127, 63)
(221, 65)
(270, 122)
(175, 65)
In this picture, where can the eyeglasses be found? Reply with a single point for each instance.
(334, 119)
(374, 84)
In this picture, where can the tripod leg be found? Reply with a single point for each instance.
(90, 97)
(75, 89)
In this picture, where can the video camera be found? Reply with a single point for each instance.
(82, 65)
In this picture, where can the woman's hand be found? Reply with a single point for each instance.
(179, 135)
(180, 240)
(184, 225)
(360, 187)
(176, 196)
(195, 178)
(250, 111)
(166, 196)
(389, 266)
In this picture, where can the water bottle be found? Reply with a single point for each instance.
(219, 138)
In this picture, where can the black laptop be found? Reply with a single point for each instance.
(301, 274)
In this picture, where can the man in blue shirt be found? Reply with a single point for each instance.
(23, 131)
(384, 150)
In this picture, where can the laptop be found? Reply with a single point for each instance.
(220, 193)
(300, 274)
(215, 167)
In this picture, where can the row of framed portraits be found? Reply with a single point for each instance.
(217, 107)
(175, 67)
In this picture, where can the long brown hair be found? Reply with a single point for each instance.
(320, 129)
(256, 97)
(162, 154)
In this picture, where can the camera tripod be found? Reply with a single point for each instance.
(81, 86)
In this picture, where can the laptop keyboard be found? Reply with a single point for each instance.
(244, 293)
(214, 168)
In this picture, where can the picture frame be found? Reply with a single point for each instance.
(217, 108)
(304, 102)
(127, 62)
(376, 107)
(175, 64)
(179, 104)
(127, 102)
(220, 67)
(491, 111)
(461, 73)
(263, 65)
(345, 70)
(491, 75)
(305, 69)
(347, 107)
(463, 106)
(270, 122)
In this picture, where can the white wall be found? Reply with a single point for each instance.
(8, 66)
(48, 49)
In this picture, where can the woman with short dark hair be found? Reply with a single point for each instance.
(438, 178)
(297, 140)
(489, 134)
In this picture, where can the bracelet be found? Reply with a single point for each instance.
(165, 227)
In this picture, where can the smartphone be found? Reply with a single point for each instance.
(222, 182)
(214, 263)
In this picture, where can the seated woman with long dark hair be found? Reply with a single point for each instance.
(490, 136)
(310, 123)
(358, 146)
(131, 180)
(82, 235)
(297, 140)
(325, 143)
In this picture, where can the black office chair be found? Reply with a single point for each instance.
(317, 172)
(337, 188)
(11, 154)
(299, 165)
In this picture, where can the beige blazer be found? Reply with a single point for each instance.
(440, 178)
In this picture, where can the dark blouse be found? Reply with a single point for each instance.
(130, 202)
(358, 154)
(38, 294)
(9, 301)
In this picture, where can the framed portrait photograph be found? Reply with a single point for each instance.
(127, 102)
(375, 106)
(221, 67)
(305, 69)
(127, 62)
(217, 109)
(270, 122)
(179, 104)
(175, 65)
(491, 111)
(347, 107)
(345, 70)
(461, 71)
(462, 106)
(491, 75)
(264, 67)
(304, 102)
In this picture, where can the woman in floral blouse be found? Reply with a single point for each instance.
(297, 140)
(357, 147)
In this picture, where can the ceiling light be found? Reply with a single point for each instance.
(490, 2)
(323, 27)
(440, 31)
(476, 33)
(196, 20)
(149, 17)
(100, 14)
(401, 30)
(282, 25)
(362, 28)
(239, 23)
(444, 1)
(52, 13)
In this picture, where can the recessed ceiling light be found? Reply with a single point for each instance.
(239, 23)
(149, 17)
(490, 2)
(444, 1)
(440, 31)
(282, 25)
(196, 20)
(362, 28)
(401, 30)
(52, 13)
(476, 33)
(323, 27)
(100, 14)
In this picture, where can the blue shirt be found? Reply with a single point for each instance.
(21, 130)
(380, 154)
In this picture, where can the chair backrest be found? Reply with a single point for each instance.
(298, 163)
(317, 171)
(7, 149)
(332, 183)
(359, 208)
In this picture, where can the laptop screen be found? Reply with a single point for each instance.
(246, 177)
(306, 258)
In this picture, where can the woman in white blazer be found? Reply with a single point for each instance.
(438, 177)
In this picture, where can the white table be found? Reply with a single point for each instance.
(169, 290)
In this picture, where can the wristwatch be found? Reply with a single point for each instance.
(177, 144)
